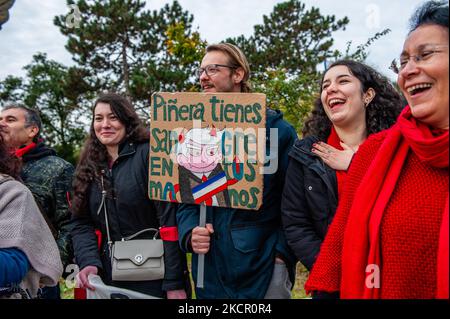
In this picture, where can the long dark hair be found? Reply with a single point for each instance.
(9, 164)
(94, 157)
(381, 113)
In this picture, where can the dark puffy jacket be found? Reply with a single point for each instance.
(309, 201)
(244, 244)
(129, 211)
(49, 178)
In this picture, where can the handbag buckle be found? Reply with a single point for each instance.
(139, 258)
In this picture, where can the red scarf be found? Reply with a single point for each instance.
(335, 141)
(362, 244)
(22, 151)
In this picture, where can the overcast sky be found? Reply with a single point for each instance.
(30, 28)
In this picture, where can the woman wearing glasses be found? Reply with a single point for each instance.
(355, 101)
(389, 238)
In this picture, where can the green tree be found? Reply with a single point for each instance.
(124, 46)
(171, 69)
(11, 89)
(109, 35)
(188, 49)
(291, 38)
(285, 51)
(56, 92)
(294, 96)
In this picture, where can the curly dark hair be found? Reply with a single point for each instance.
(94, 157)
(382, 112)
(9, 164)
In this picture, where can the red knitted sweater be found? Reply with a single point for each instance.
(409, 229)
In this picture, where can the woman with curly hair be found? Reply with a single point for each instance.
(29, 257)
(115, 159)
(390, 236)
(355, 101)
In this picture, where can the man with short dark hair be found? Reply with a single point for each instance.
(246, 252)
(48, 176)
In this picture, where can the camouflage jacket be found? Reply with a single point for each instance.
(49, 178)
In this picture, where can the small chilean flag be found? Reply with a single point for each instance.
(209, 188)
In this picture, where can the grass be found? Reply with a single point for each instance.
(66, 292)
(299, 288)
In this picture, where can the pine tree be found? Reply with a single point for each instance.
(55, 91)
(124, 46)
(291, 38)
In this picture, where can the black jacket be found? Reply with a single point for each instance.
(129, 211)
(309, 201)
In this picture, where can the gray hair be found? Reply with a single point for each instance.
(429, 13)
(32, 117)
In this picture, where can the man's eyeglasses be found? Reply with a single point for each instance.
(212, 69)
(423, 57)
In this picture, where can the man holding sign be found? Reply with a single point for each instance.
(246, 254)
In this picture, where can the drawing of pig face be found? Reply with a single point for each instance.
(200, 150)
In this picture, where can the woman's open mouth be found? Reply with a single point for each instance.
(416, 89)
(332, 103)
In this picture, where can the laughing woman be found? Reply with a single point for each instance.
(389, 238)
(355, 101)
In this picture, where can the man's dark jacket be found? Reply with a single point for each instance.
(49, 178)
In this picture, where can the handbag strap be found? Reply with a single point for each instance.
(142, 231)
(103, 204)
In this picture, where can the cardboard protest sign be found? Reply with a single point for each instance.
(208, 148)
